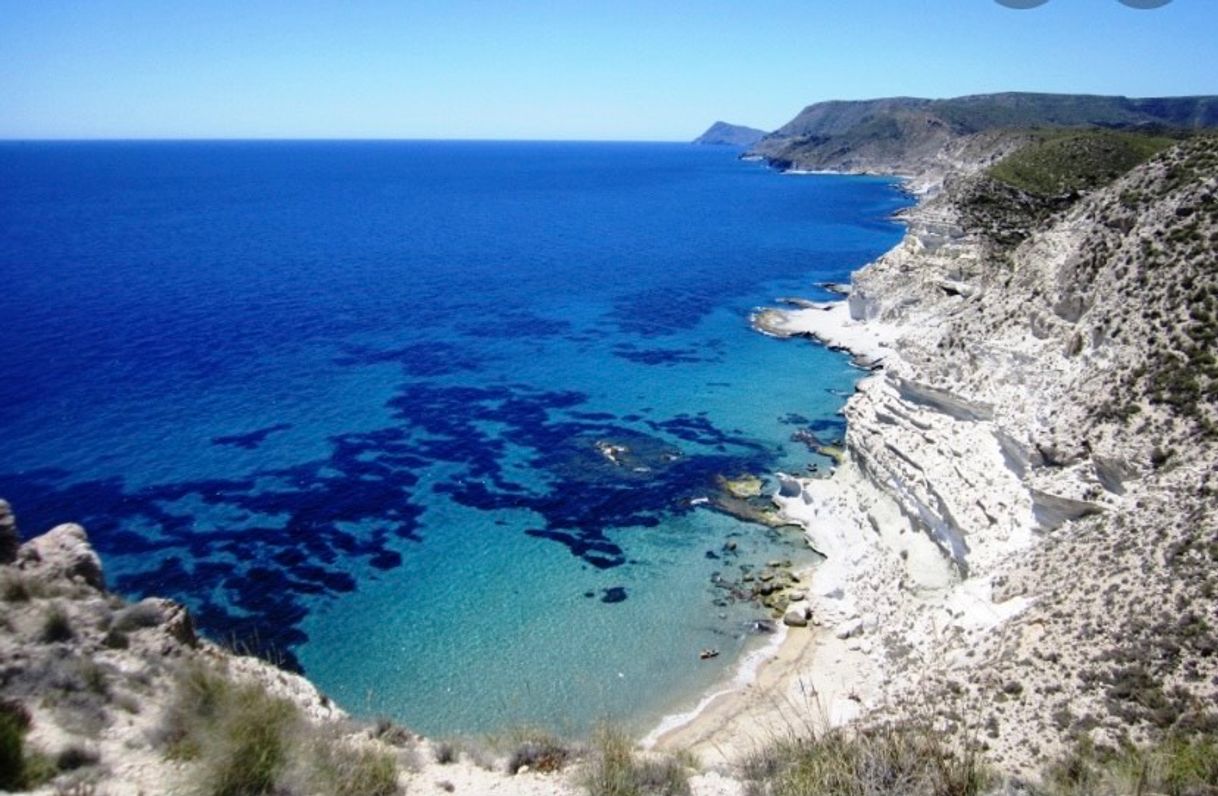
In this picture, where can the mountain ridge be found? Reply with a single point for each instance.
(901, 135)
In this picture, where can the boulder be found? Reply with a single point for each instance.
(796, 616)
(849, 628)
(63, 552)
(762, 626)
(788, 487)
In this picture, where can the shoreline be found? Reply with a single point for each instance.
(807, 677)
(766, 688)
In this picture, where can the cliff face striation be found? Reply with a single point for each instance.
(1026, 528)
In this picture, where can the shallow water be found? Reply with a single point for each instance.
(348, 401)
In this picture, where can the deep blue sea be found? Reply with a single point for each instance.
(349, 401)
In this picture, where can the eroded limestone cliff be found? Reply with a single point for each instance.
(1045, 417)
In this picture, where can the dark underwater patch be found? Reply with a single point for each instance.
(250, 439)
(516, 324)
(302, 531)
(421, 360)
(660, 356)
(613, 594)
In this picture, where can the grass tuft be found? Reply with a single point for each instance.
(248, 743)
(345, 770)
(15, 589)
(897, 758)
(19, 768)
(616, 770)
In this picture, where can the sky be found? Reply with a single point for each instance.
(556, 69)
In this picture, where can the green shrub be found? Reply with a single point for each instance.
(1077, 160)
(71, 758)
(1176, 766)
(19, 769)
(615, 770)
(56, 627)
(116, 640)
(539, 751)
(15, 589)
(446, 752)
(12, 752)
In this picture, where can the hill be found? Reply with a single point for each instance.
(724, 134)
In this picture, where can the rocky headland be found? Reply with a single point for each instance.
(725, 134)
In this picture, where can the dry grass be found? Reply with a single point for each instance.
(615, 769)
(246, 742)
(908, 759)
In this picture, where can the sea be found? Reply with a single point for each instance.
(439, 424)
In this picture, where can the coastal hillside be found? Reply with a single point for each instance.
(907, 135)
(1025, 524)
(724, 134)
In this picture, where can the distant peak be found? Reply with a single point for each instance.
(726, 134)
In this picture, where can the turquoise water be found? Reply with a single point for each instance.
(348, 401)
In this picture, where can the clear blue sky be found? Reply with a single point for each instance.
(619, 69)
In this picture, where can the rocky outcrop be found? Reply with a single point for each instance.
(62, 554)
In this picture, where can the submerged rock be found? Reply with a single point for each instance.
(613, 594)
(743, 487)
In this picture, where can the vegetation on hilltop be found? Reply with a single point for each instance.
(1074, 161)
(1008, 201)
